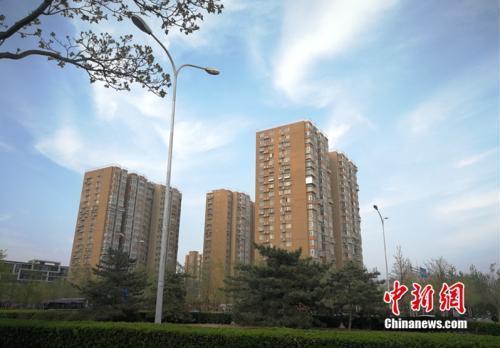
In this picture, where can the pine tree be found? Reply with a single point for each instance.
(284, 290)
(351, 288)
(116, 285)
(174, 298)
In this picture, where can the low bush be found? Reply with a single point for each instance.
(69, 315)
(484, 328)
(211, 318)
(191, 318)
(40, 314)
(364, 323)
(32, 333)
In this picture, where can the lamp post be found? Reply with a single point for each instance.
(139, 23)
(385, 249)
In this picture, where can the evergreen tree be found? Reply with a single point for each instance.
(352, 288)
(174, 298)
(283, 290)
(116, 285)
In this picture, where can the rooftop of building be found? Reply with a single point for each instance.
(287, 124)
(91, 170)
(230, 190)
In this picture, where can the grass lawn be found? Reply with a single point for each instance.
(21, 333)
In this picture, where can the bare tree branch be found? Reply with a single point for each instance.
(115, 61)
(24, 21)
(24, 54)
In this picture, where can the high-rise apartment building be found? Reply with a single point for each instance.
(98, 226)
(228, 239)
(293, 204)
(346, 219)
(122, 211)
(136, 218)
(192, 264)
(192, 267)
(156, 226)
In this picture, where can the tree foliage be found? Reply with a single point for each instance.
(174, 298)
(352, 289)
(402, 268)
(116, 61)
(29, 293)
(482, 297)
(404, 272)
(284, 290)
(116, 285)
(482, 289)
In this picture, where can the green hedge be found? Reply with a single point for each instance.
(484, 328)
(364, 323)
(40, 314)
(192, 318)
(71, 315)
(65, 315)
(211, 318)
(32, 333)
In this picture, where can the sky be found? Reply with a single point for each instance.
(408, 90)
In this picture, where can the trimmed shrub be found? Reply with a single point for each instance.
(24, 333)
(69, 315)
(484, 328)
(211, 318)
(40, 314)
(365, 323)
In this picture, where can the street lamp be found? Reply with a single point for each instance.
(385, 249)
(139, 23)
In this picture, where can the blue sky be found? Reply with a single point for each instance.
(409, 90)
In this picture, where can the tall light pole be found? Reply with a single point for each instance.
(385, 249)
(139, 23)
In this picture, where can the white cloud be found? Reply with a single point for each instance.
(343, 119)
(313, 34)
(5, 147)
(391, 201)
(455, 97)
(131, 130)
(5, 217)
(65, 144)
(484, 233)
(110, 104)
(77, 151)
(428, 114)
(470, 202)
(313, 31)
(468, 161)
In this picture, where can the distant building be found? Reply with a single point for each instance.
(192, 268)
(227, 241)
(192, 264)
(38, 270)
(305, 196)
(156, 226)
(293, 206)
(346, 218)
(124, 211)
